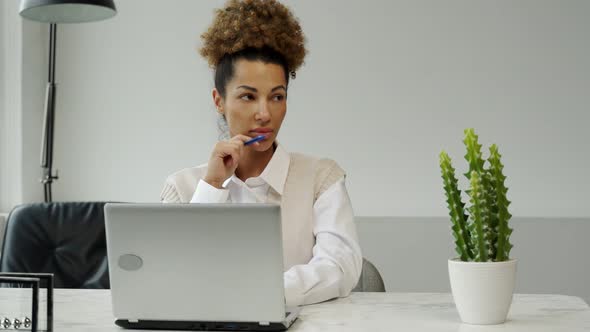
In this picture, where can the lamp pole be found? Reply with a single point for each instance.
(49, 120)
(53, 12)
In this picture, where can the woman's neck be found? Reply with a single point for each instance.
(253, 163)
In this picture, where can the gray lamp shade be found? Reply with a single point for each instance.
(67, 11)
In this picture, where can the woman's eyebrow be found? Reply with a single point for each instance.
(247, 88)
(278, 88)
(256, 90)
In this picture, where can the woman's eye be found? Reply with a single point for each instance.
(247, 97)
(279, 97)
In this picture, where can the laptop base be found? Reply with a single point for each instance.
(199, 326)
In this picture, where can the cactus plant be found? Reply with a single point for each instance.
(481, 230)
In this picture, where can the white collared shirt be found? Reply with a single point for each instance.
(337, 260)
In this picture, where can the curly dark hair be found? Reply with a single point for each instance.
(256, 24)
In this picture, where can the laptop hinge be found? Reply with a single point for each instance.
(133, 320)
(264, 323)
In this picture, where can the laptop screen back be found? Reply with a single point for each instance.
(200, 262)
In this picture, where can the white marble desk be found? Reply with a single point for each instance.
(90, 310)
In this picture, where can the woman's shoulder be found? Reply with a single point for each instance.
(324, 171)
(317, 164)
(180, 185)
(188, 173)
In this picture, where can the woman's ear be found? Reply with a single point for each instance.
(218, 101)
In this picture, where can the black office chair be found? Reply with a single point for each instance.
(370, 280)
(66, 239)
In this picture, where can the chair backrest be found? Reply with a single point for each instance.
(66, 239)
(370, 279)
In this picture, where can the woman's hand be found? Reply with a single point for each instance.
(224, 160)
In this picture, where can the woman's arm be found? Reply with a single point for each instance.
(336, 264)
(183, 183)
(206, 193)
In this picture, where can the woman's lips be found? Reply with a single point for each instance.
(265, 133)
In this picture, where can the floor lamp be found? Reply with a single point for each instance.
(53, 12)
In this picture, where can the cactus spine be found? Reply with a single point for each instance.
(483, 234)
(503, 245)
(456, 209)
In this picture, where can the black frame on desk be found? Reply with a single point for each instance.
(35, 280)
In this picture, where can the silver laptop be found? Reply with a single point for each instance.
(197, 266)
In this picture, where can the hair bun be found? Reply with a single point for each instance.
(254, 23)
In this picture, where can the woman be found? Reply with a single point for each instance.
(253, 46)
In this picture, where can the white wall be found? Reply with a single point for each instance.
(10, 122)
(22, 80)
(386, 86)
(34, 80)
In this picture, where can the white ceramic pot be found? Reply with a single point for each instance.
(482, 291)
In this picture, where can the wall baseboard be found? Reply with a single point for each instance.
(412, 252)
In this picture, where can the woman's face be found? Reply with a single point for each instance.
(255, 102)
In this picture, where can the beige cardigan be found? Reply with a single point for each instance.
(308, 177)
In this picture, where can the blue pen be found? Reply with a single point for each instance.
(255, 139)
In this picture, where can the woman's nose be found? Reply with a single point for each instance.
(263, 113)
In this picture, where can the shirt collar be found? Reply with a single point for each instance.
(275, 172)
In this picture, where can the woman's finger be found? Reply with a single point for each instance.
(241, 138)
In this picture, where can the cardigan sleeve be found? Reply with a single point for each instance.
(329, 172)
(337, 259)
(180, 186)
(169, 193)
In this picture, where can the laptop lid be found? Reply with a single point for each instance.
(196, 262)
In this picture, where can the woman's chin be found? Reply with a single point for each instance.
(263, 145)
